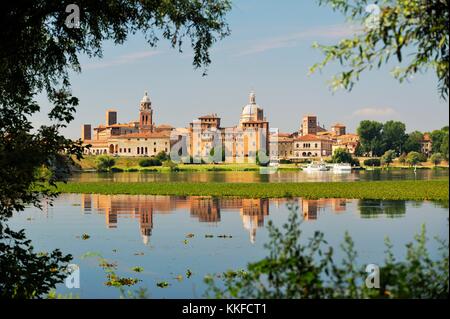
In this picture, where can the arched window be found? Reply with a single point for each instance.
(138, 150)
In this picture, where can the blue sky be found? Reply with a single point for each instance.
(269, 51)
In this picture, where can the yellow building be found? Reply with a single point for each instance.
(239, 144)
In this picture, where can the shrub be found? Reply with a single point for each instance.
(173, 167)
(388, 157)
(436, 158)
(162, 156)
(116, 169)
(414, 158)
(104, 163)
(372, 162)
(296, 268)
(402, 158)
(341, 155)
(153, 161)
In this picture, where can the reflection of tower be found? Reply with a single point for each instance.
(252, 213)
(146, 223)
(86, 203)
(338, 205)
(111, 217)
(206, 209)
(309, 208)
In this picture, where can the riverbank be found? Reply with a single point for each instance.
(384, 190)
(131, 164)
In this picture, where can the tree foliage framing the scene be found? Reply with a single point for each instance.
(37, 53)
(415, 32)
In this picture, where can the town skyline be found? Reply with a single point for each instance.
(271, 59)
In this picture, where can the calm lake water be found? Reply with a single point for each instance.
(150, 232)
(254, 177)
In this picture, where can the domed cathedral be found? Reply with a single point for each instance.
(252, 112)
(255, 128)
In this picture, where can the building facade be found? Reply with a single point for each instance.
(136, 138)
(206, 140)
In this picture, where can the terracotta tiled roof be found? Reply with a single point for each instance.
(253, 122)
(96, 143)
(165, 126)
(348, 136)
(145, 135)
(311, 137)
(339, 125)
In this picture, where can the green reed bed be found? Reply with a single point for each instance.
(389, 190)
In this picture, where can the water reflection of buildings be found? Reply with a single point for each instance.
(205, 209)
(252, 211)
(310, 208)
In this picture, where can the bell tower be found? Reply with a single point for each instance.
(146, 113)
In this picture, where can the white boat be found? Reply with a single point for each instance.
(274, 163)
(316, 167)
(342, 168)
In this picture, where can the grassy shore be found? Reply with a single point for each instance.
(389, 190)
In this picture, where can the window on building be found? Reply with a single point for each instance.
(129, 150)
(154, 150)
(138, 150)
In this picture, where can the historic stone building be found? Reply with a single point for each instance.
(240, 143)
(135, 138)
(206, 140)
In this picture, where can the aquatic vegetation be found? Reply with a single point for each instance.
(116, 281)
(90, 254)
(106, 265)
(140, 253)
(185, 241)
(137, 269)
(54, 295)
(209, 236)
(179, 278)
(392, 190)
(162, 284)
(190, 235)
(85, 236)
(188, 273)
(224, 236)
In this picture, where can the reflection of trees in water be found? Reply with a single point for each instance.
(441, 204)
(371, 208)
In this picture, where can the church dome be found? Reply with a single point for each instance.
(250, 111)
(145, 98)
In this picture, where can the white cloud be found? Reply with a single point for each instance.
(374, 112)
(292, 40)
(123, 59)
